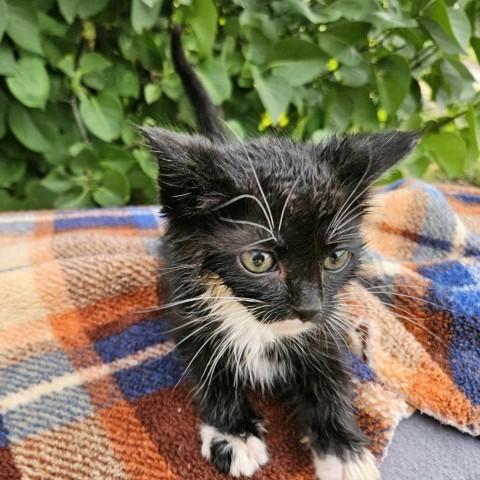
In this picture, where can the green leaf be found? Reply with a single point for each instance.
(236, 128)
(95, 80)
(338, 114)
(351, 32)
(29, 129)
(85, 162)
(231, 57)
(89, 8)
(300, 7)
(388, 19)
(130, 135)
(449, 150)
(50, 26)
(298, 61)
(122, 80)
(259, 48)
(319, 136)
(215, 80)
(341, 50)
(30, 83)
(114, 190)
(37, 196)
(457, 80)
(353, 76)
(58, 180)
(117, 158)
(416, 164)
(6, 201)
(275, 93)
(11, 170)
(475, 45)
(448, 27)
(146, 189)
(147, 163)
(67, 65)
(473, 136)
(74, 198)
(261, 22)
(102, 115)
(68, 8)
(364, 112)
(7, 60)
(350, 9)
(152, 92)
(49, 133)
(172, 87)
(203, 19)
(143, 16)
(4, 17)
(460, 26)
(393, 81)
(3, 114)
(93, 62)
(23, 26)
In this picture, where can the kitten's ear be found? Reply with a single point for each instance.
(187, 166)
(369, 156)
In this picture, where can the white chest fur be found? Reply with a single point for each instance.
(248, 342)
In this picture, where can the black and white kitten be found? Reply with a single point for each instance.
(262, 236)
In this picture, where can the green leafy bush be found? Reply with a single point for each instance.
(76, 76)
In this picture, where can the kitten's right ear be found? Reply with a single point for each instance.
(363, 158)
(167, 146)
(186, 165)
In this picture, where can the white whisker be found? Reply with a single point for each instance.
(246, 222)
(252, 197)
(285, 205)
(271, 222)
(349, 201)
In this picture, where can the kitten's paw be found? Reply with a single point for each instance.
(359, 467)
(233, 454)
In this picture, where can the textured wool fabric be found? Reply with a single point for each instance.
(91, 389)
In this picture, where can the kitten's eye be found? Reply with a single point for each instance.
(256, 261)
(337, 260)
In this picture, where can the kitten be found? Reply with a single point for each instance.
(262, 236)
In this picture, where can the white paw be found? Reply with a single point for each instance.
(248, 454)
(359, 467)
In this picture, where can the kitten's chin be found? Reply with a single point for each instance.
(290, 328)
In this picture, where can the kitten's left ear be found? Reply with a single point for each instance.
(369, 156)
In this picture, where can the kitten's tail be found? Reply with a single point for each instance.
(206, 115)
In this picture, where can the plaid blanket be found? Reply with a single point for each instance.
(89, 384)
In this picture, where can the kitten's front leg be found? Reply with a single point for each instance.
(232, 433)
(339, 446)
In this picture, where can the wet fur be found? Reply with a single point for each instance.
(236, 330)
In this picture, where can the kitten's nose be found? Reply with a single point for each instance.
(306, 314)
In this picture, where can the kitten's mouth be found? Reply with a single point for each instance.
(236, 314)
(288, 328)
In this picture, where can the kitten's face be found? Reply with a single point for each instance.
(273, 221)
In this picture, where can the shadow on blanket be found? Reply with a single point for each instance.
(87, 385)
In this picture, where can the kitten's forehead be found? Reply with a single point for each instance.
(282, 159)
(287, 194)
(282, 170)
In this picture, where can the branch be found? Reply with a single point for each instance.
(439, 123)
(78, 119)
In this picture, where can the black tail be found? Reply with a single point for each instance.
(206, 115)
